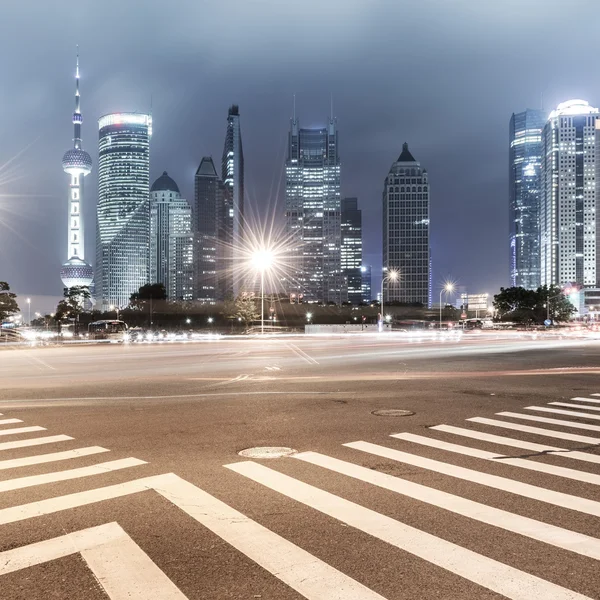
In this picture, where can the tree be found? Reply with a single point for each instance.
(150, 291)
(8, 302)
(245, 309)
(72, 304)
(520, 305)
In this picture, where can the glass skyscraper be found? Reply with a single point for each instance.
(525, 156)
(351, 253)
(313, 213)
(406, 231)
(232, 175)
(171, 247)
(569, 229)
(122, 251)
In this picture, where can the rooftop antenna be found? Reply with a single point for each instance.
(294, 114)
(331, 97)
(542, 100)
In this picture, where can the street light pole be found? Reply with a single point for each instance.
(449, 287)
(262, 302)
(391, 276)
(29, 312)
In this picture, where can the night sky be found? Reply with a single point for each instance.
(442, 75)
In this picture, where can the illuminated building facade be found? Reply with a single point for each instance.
(210, 218)
(366, 283)
(313, 213)
(525, 157)
(406, 231)
(171, 242)
(122, 251)
(569, 233)
(77, 163)
(351, 252)
(232, 175)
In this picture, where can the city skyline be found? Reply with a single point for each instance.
(433, 117)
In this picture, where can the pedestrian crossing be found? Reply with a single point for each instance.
(124, 570)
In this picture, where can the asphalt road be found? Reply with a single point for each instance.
(134, 487)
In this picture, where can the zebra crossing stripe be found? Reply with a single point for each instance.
(21, 430)
(501, 458)
(282, 558)
(98, 469)
(583, 505)
(580, 399)
(569, 405)
(573, 437)
(46, 458)
(560, 411)
(121, 567)
(561, 422)
(514, 443)
(536, 530)
(9, 421)
(51, 439)
(488, 573)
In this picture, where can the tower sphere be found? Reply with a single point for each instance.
(76, 272)
(77, 161)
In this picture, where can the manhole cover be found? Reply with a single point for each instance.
(392, 412)
(267, 452)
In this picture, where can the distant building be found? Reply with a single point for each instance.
(210, 211)
(232, 175)
(406, 231)
(366, 283)
(351, 253)
(313, 213)
(525, 156)
(569, 234)
(171, 242)
(123, 238)
(77, 163)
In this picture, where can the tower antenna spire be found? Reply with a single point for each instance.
(294, 110)
(331, 97)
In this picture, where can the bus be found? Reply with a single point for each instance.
(113, 331)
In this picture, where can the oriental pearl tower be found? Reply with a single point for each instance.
(77, 163)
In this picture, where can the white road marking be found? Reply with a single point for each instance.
(536, 530)
(46, 458)
(560, 411)
(121, 567)
(21, 430)
(106, 467)
(309, 576)
(522, 463)
(580, 399)
(549, 421)
(569, 405)
(51, 439)
(9, 421)
(583, 505)
(488, 573)
(504, 441)
(573, 437)
(300, 353)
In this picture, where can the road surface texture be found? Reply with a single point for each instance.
(120, 475)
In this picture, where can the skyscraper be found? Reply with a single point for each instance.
(569, 234)
(171, 242)
(525, 155)
(232, 175)
(366, 283)
(77, 163)
(406, 231)
(351, 252)
(313, 213)
(123, 206)
(210, 211)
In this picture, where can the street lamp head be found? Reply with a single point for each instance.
(188, 321)
(210, 319)
(393, 274)
(262, 260)
(28, 300)
(449, 287)
(308, 316)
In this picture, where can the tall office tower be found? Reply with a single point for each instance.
(406, 231)
(122, 250)
(366, 283)
(569, 234)
(232, 175)
(171, 242)
(525, 156)
(313, 213)
(210, 212)
(77, 163)
(351, 252)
